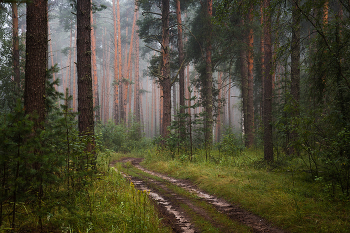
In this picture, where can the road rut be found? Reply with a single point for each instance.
(179, 209)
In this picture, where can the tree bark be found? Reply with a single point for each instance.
(36, 60)
(295, 65)
(209, 80)
(85, 95)
(116, 78)
(250, 102)
(267, 118)
(94, 69)
(165, 80)
(16, 70)
(182, 68)
(119, 107)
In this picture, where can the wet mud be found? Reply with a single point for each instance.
(169, 203)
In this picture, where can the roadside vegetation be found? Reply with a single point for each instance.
(283, 193)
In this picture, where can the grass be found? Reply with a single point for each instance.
(108, 204)
(204, 224)
(291, 200)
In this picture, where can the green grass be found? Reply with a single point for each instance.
(291, 200)
(108, 204)
(203, 224)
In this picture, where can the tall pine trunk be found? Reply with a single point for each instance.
(116, 78)
(85, 95)
(250, 100)
(267, 118)
(15, 45)
(295, 65)
(209, 80)
(165, 80)
(36, 60)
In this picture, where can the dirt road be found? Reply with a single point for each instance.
(187, 209)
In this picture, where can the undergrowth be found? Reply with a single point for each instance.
(283, 192)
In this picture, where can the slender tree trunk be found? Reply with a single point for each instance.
(244, 82)
(267, 118)
(262, 62)
(295, 65)
(250, 102)
(108, 80)
(128, 77)
(182, 68)
(85, 95)
(137, 105)
(165, 80)
(209, 81)
(51, 52)
(120, 106)
(36, 60)
(94, 70)
(15, 45)
(116, 77)
(74, 76)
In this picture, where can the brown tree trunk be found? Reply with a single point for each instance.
(116, 78)
(36, 60)
(165, 80)
(74, 77)
(209, 81)
(94, 69)
(16, 76)
(85, 95)
(182, 68)
(295, 64)
(107, 81)
(244, 82)
(262, 62)
(267, 118)
(137, 105)
(250, 102)
(128, 76)
(120, 106)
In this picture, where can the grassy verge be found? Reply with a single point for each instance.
(213, 221)
(108, 204)
(291, 200)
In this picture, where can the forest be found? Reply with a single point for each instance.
(174, 116)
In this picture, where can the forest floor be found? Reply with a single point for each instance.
(186, 208)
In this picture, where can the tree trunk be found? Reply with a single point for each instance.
(74, 77)
(116, 78)
(137, 105)
(94, 69)
(128, 76)
(120, 106)
(244, 82)
(36, 60)
(182, 68)
(15, 45)
(209, 81)
(85, 95)
(295, 65)
(250, 102)
(165, 80)
(267, 118)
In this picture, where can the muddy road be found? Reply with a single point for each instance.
(186, 208)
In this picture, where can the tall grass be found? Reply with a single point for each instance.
(283, 193)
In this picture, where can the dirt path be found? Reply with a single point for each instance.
(187, 209)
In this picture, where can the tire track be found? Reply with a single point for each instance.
(169, 201)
